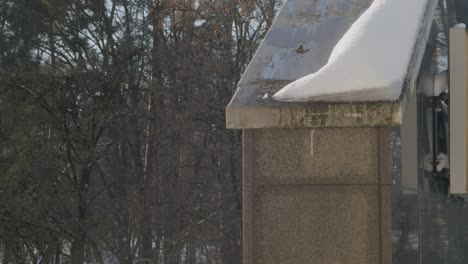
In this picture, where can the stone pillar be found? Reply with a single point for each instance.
(317, 176)
(317, 195)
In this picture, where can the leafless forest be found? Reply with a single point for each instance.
(113, 147)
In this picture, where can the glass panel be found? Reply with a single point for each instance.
(429, 225)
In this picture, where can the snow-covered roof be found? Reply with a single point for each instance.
(370, 62)
(302, 41)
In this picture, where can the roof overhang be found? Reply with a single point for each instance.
(301, 25)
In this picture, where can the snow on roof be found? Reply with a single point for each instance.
(370, 62)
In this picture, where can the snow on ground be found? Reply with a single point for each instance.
(370, 62)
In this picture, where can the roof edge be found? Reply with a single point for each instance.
(369, 114)
(251, 107)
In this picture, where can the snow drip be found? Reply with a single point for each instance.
(370, 62)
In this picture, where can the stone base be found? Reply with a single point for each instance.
(317, 196)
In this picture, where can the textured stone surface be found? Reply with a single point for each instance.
(317, 224)
(299, 115)
(336, 156)
(386, 224)
(385, 156)
(247, 198)
(322, 201)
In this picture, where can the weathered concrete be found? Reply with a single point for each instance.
(287, 115)
(328, 200)
(317, 224)
(319, 156)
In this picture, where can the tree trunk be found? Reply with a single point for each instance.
(150, 186)
(58, 251)
(191, 257)
(52, 43)
(6, 253)
(78, 250)
(79, 243)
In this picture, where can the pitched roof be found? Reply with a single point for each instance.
(299, 43)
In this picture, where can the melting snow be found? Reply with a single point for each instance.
(370, 62)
